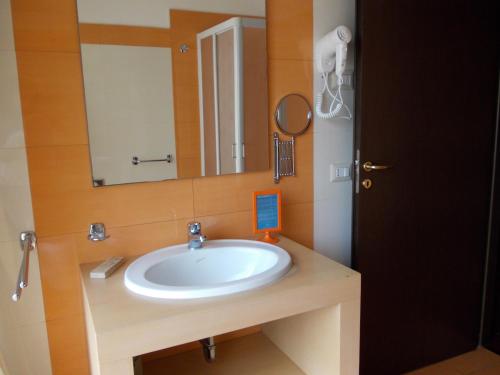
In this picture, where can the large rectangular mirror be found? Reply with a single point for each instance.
(174, 88)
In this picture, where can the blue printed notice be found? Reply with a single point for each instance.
(267, 211)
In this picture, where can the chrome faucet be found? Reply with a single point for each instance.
(195, 238)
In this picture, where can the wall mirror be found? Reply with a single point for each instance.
(174, 88)
(293, 114)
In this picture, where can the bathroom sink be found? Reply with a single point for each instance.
(221, 267)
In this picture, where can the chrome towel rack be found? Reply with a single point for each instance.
(137, 161)
(284, 157)
(28, 243)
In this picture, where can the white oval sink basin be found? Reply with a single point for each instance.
(221, 267)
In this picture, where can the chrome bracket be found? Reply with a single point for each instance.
(284, 157)
(27, 241)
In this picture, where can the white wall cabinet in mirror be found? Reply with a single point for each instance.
(156, 111)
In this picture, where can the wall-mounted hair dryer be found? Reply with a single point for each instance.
(330, 54)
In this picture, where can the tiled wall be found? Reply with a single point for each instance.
(140, 217)
(333, 143)
(22, 324)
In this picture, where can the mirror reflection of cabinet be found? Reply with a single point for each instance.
(232, 81)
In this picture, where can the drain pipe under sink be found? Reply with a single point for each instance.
(208, 347)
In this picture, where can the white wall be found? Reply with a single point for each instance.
(333, 143)
(23, 335)
(155, 13)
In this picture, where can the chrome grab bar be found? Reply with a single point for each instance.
(137, 161)
(28, 243)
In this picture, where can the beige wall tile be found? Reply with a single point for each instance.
(11, 122)
(6, 32)
(11, 347)
(36, 343)
(15, 203)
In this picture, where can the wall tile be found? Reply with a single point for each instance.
(15, 205)
(225, 194)
(227, 226)
(11, 129)
(60, 169)
(68, 346)
(332, 225)
(115, 206)
(6, 32)
(188, 141)
(290, 29)
(298, 223)
(186, 103)
(330, 147)
(48, 25)
(10, 260)
(52, 98)
(60, 277)
(35, 336)
(131, 240)
(11, 347)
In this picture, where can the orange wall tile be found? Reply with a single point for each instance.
(52, 98)
(48, 25)
(68, 346)
(92, 33)
(139, 217)
(290, 32)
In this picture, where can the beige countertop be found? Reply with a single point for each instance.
(121, 324)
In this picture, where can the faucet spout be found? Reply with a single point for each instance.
(195, 237)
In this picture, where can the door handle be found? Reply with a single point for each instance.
(369, 166)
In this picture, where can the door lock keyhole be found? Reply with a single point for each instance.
(367, 183)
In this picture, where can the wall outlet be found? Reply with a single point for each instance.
(340, 172)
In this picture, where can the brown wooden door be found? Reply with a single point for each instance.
(426, 101)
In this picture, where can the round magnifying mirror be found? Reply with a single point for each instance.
(293, 114)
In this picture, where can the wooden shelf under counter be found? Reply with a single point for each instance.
(249, 355)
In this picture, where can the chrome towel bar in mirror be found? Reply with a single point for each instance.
(137, 161)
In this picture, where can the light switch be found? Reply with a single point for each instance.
(340, 172)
